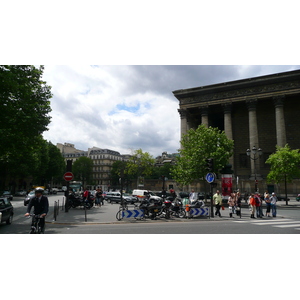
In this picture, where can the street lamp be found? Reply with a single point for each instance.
(254, 157)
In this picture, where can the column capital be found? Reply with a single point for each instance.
(183, 113)
(204, 110)
(227, 108)
(278, 100)
(251, 104)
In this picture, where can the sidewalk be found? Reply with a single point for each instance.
(106, 214)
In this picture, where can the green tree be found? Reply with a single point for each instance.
(140, 164)
(119, 168)
(198, 145)
(82, 170)
(56, 164)
(25, 105)
(285, 166)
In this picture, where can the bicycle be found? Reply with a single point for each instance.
(35, 226)
(122, 208)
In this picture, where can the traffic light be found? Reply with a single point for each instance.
(209, 164)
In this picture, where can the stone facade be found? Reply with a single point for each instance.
(260, 112)
(103, 160)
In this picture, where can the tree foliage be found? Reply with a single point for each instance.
(285, 165)
(140, 164)
(25, 105)
(198, 145)
(82, 169)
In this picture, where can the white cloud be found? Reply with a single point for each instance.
(124, 108)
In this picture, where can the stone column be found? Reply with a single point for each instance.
(204, 116)
(280, 123)
(228, 126)
(253, 136)
(183, 119)
(227, 121)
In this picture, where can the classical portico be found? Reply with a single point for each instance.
(260, 112)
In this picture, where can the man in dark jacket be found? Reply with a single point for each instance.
(41, 206)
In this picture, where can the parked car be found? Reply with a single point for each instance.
(7, 194)
(282, 198)
(20, 193)
(6, 211)
(29, 197)
(111, 197)
(140, 194)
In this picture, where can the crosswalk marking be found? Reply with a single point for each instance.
(279, 223)
(288, 225)
(275, 222)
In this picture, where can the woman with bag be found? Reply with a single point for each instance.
(231, 204)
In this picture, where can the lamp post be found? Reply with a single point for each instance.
(256, 153)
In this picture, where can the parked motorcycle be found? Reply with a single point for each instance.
(77, 201)
(177, 209)
(152, 208)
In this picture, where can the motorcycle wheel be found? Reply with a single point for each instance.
(181, 213)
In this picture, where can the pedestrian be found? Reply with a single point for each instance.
(258, 205)
(268, 203)
(101, 196)
(173, 195)
(252, 205)
(193, 196)
(41, 207)
(217, 200)
(273, 199)
(98, 197)
(231, 204)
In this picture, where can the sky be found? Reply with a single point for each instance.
(130, 107)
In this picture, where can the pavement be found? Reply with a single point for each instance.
(106, 214)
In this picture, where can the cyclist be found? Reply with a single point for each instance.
(41, 206)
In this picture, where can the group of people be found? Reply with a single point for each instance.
(255, 201)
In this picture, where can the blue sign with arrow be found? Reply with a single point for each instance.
(210, 177)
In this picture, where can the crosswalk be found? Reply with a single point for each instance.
(279, 223)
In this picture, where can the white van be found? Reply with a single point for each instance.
(140, 194)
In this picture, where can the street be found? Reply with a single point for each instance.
(103, 221)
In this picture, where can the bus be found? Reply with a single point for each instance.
(76, 186)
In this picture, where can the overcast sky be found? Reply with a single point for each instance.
(125, 108)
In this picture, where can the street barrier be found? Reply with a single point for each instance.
(197, 212)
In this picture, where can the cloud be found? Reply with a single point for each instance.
(125, 108)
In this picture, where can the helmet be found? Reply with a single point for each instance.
(39, 190)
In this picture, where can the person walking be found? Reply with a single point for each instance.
(231, 204)
(98, 197)
(268, 203)
(252, 205)
(258, 205)
(193, 196)
(217, 200)
(273, 199)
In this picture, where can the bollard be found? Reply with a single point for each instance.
(63, 204)
(57, 206)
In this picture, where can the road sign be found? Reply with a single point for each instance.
(136, 213)
(210, 177)
(68, 176)
(199, 211)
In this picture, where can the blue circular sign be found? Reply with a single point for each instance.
(210, 177)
